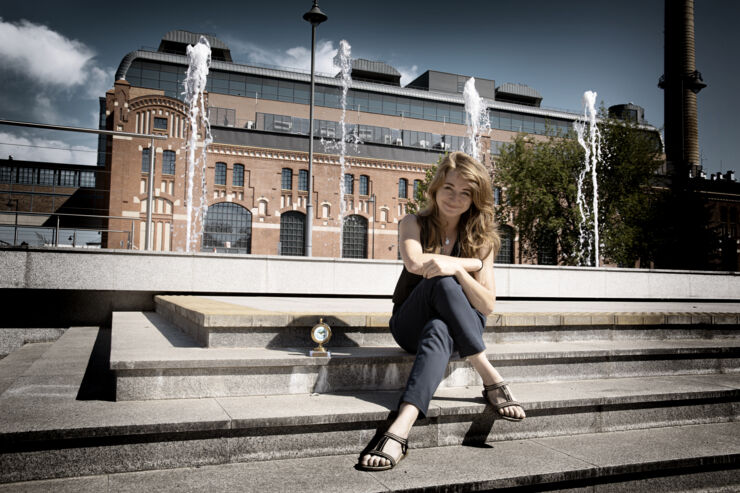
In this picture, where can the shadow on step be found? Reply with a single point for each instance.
(99, 383)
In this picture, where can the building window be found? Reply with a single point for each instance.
(292, 233)
(364, 185)
(145, 160)
(303, 180)
(238, 175)
(67, 178)
(46, 177)
(403, 186)
(354, 237)
(286, 182)
(26, 175)
(417, 184)
(168, 163)
(160, 123)
(547, 249)
(506, 254)
(496, 195)
(6, 174)
(220, 177)
(221, 116)
(87, 179)
(227, 229)
(349, 183)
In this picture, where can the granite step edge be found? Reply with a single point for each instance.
(359, 407)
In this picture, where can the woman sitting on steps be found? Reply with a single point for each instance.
(441, 300)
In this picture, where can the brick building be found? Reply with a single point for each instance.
(257, 165)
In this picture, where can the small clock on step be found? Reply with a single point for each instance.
(320, 334)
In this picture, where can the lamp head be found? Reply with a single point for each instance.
(315, 16)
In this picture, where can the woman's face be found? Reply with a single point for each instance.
(454, 196)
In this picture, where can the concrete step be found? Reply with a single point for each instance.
(686, 458)
(265, 322)
(53, 426)
(16, 363)
(153, 359)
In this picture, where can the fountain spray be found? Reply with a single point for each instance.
(199, 60)
(592, 149)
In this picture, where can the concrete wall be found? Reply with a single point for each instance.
(123, 271)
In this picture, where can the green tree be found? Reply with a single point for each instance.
(418, 201)
(540, 178)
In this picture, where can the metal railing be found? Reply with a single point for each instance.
(14, 234)
(152, 137)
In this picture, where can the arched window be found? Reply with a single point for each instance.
(354, 237)
(286, 181)
(227, 229)
(220, 174)
(292, 233)
(349, 183)
(417, 184)
(168, 163)
(403, 187)
(506, 253)
(238, 175)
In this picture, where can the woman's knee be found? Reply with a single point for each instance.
(436, 334)
(447, 286)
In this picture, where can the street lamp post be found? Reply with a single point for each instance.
(315, 16)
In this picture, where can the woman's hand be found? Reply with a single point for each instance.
(439, 266)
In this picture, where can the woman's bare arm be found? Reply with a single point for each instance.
(479, 287)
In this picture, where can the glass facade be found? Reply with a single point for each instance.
(227, 229)
(292, 233)
(47, 177)
(354, 237)
(169, 78)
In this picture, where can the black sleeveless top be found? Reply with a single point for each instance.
(408, 281)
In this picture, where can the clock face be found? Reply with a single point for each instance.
(321, 333)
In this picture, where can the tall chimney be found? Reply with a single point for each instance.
(681, 83)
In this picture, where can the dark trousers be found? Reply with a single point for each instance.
(434, 321)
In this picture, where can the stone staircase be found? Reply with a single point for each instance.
(624, 400)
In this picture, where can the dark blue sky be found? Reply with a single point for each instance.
(559, 48)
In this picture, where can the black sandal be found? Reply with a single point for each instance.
(378, 452)
(503, 387)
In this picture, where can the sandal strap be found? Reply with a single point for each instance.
(403, 441)
(495, 386)
(507, 395)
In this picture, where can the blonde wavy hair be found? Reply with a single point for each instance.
(477, 230)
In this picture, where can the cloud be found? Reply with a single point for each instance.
(45, 56)
(408, 74)
(298, 57)
(46, 150)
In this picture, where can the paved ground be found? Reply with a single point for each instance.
(299, 304)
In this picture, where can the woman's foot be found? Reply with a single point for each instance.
(400, 427)
(491, 377)
(498, 394)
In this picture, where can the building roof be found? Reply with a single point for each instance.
(331, 81)
(374, 66)
(187, 37)
(518, 90)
